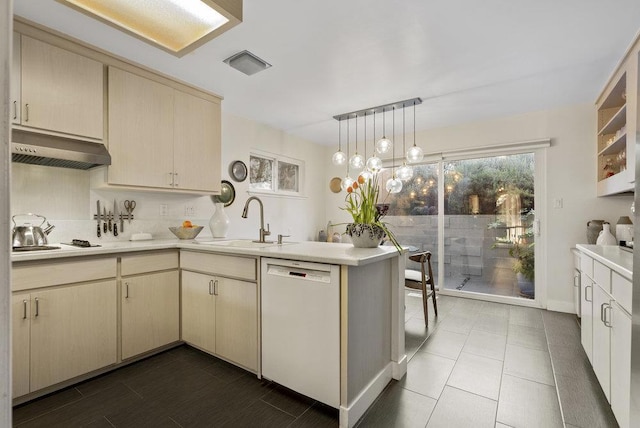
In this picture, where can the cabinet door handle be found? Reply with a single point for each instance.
(175, 179)
(126, 284)
(26, 111)
(606, 321)
(15, 110)
(576, 280)
(585, 293)
(215, 287)
(602, 313)
(37, 306)
(24, 309)
(210, 287)
(170, 178)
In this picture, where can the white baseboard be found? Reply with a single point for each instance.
(561, 306)
(352, 414)
(400, 368)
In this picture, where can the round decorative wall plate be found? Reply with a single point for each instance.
(238, 170)
(335, 184)
(227, 194)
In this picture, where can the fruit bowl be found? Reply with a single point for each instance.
(186, 232)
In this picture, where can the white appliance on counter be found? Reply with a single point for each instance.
(301, 327)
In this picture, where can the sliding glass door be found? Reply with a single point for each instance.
(477, 216)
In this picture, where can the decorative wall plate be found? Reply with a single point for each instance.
(238, 170)
(335, 184)
(227, 194)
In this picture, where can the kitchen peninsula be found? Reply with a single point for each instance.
(370, 305)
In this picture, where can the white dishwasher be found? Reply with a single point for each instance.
(301, 327)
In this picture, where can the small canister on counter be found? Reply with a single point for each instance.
(624, 229)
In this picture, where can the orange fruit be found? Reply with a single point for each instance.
(186, 223)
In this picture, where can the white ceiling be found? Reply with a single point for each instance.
(468, 60)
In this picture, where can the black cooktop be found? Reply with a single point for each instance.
(36, 248)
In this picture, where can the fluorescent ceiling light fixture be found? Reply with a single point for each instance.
(177, 26)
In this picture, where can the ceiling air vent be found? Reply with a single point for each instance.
(247, 62)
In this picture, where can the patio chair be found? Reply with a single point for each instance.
(418, 280)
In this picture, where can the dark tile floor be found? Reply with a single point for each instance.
(478, 364)
(182, 387)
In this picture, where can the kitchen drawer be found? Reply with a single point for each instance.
(602, 276)
(45, 274)
(218, 264)
(622, 290)
(586, 265)
(149, 262)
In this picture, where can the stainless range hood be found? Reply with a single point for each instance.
(49, 150)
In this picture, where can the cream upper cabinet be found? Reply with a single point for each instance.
(61, 91)
(20, 342)
(73, 331)
(16, 80)
(140, 131)
(160, 137)
(196, 149)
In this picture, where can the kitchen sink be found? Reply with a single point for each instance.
(242, 243)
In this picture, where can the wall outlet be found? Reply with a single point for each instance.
(557, 203)
(164, 210)
(189, 211)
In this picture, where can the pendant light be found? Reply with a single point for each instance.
(394, 184)
(405, 172)
(339, 158)
(384, 144)
(374, 163)
(415, 153)
(347, 180)
(356, 161)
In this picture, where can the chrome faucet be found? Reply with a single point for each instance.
(263, 232)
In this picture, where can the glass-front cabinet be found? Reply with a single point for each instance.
(617, 127)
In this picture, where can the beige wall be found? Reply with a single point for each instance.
(570, 175)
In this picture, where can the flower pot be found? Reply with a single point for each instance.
(527, 286)
(365, 235)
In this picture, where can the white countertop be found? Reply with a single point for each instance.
(319, 252)
(611, 256)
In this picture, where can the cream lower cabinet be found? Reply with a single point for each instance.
(606, 331)
(219, 313)
(21, 342)
(64, 320)
(586, 312)
(61, 333)
(620, 364)
(150, 296)
(601, 359)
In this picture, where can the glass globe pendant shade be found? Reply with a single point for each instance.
(339, 158)
(405, 172)
(366, 174)
(415, 154)
(374, 164)
(346, 182)
(383, 145)
(394, 185)
(356, 161)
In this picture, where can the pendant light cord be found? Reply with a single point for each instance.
(404, 149)
(348, 146)
(414, 124)
(393, 153)
(365, 136)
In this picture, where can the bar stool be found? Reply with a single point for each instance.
(419, 280)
